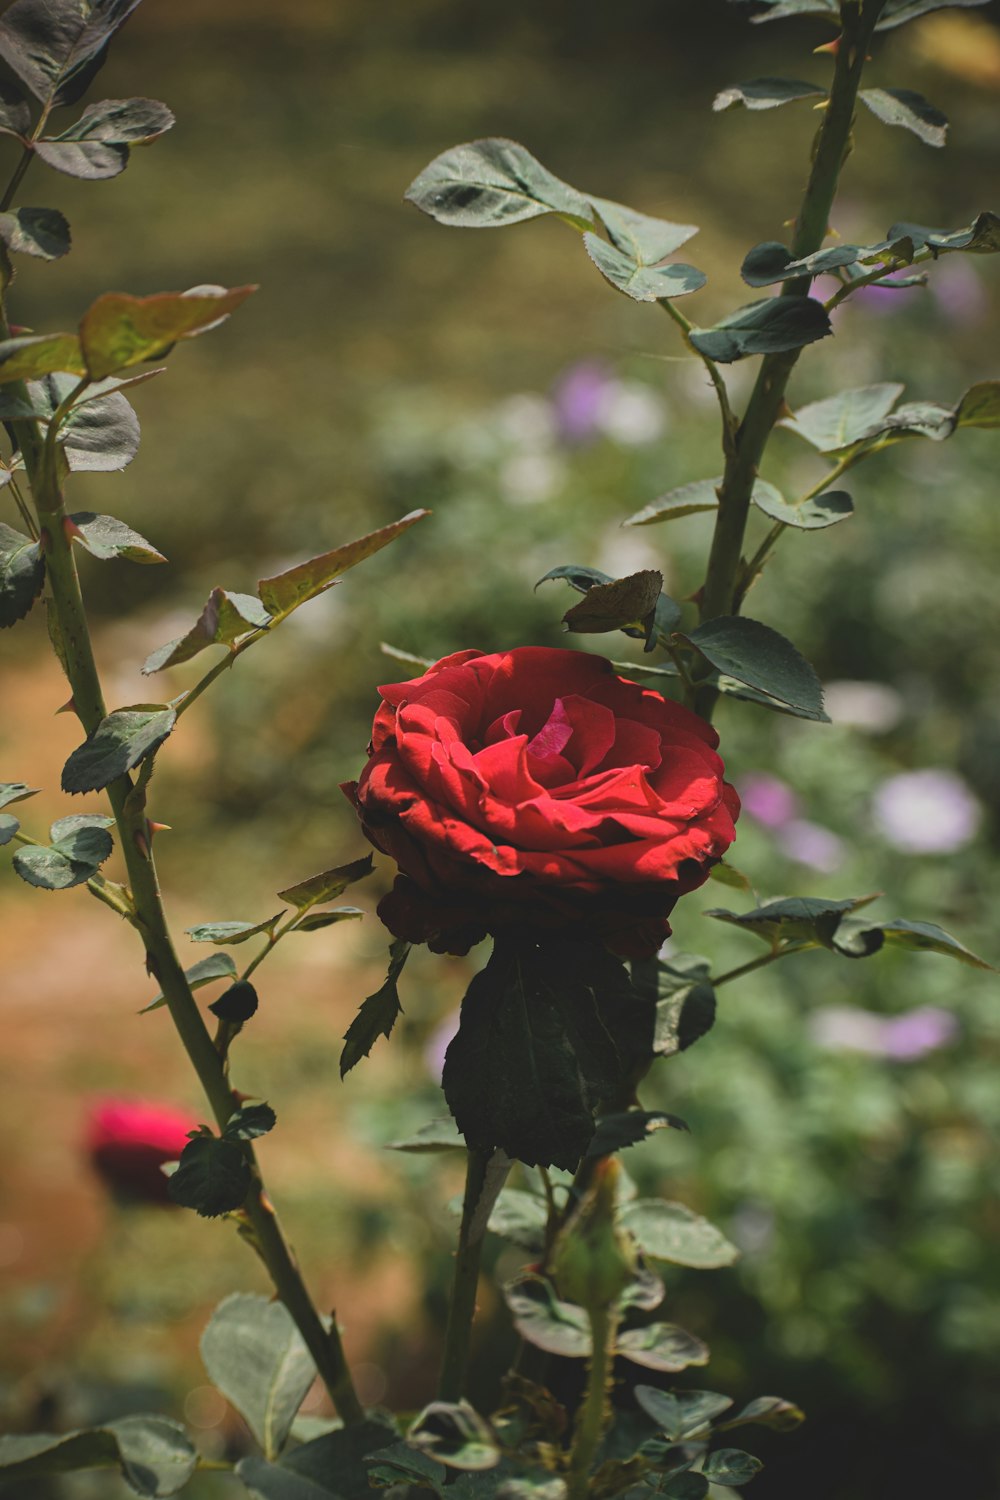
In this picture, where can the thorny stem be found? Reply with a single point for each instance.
(462, 1306)
(719, 595)
(761, 963)
(593, 1414)
(42, 461)
(729, 422)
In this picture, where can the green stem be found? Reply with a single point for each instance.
(593, 1414)
(465, 1281)
(873, 278)
(761, 963)
(742, 464)
(26, 157)
(753, 568)
(42, 460)
(729, 422)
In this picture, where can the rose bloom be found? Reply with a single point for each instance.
(534, 790)
(128, 1140)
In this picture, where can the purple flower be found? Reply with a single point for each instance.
(579, 399)
(958, 291)
(438, 1043)
(926, 812)
(918, 1032)
(844, 1028)
(812, 845)
(768, 800)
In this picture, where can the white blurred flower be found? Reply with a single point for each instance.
(926, 812)
(528, 478)
(527, 420)
(873, 706)
(631, 413)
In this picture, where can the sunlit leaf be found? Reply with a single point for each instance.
(910, 110)
(32, 355)
(107, 537)
(493, 182)
(286, 591)
(57, 49)
(117, 330)
(639, 280)
(215, 966)
(80, 845)
(765, 93)
(328, 884)
(838, 422)
(229, 932)
(672, 1232)
(661, 1346)
(814, 514)
(226, 617)
(42, 232)
(22, 575)
(119, 743)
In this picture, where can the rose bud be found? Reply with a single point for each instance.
(127, 1142)
(535, 790)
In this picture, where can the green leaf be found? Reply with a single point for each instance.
(456, 1435)
(981, 237)
(681, 1414)
(335, 1463)
(521, 1218)
(645, 240)
(688, 500)
(225, 618)
(672, 1232)
(548, 1033)
(918, 419)
(314, 920)
(33, 355)
(898, 12)
(80, 845)
(494, 182)
(215, 966)
(40, 1453)
(249, 1121)
(637, 279)
(726, 874)
(666, 611)
(15, 791)
(770, 262)
(768, 327)
(267, 1481)
(120, 742)
(213, 1176)
(767, 1411)
(910, 110)
(926, 937)
(120, 122)
(237, 1004)
(22, 575)
(731, 1466)
(8, 827)
(15, 111)
(328, 884)
(254, 1353)
(628, 1128)
(661, 1346)
(814, 514)
(284, 592)
(685, 1486)
(440, 1134)
(402, 1465)
(685, 1005)
(94, 161)
(612, 606)
(980, 406)
(42, 232)
(840, 421)
(106, 537)
(766, 93)
(154, 1454)
(118, 331)
(542, 1320)
(758, 656)
(798, 918)
(100, 434)
(230, 932)
(58, 49)
(378, 1013)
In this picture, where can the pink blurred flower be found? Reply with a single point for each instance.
(926, 812)
(579, 398)
(811, 844)
(128, 1140)
(904, 1038)
(767, 800)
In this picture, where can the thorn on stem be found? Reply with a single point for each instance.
(141, 843)
(155, 828)
(71, 530)
(69, 707)
(832, 48)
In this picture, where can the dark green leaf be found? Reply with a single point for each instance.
(854, 938)
(401, 1464)
(15, 111)
(814, 514)
(661, 1346)
(493, 182)
(157, 1456)
(43, 232)
(312, 921)
(770, 262)
(908, 109)
(94, 161)
(681, 1414)
(106, 537)
(32, 355)
(38, 1453)
(840, 421)
(80, 845)
(328, 884)
(762, 659)
(796, 917)
(237, 1004)
(230, 932)
(765, 93)
(980, 406)
(455, 1435)
(615, 1132)
(898, 12)
(254, 1353)
(99, 435)
(642, 282)
(8, 827)
(226, 617)
(781, 8)
(118, 331)
(120, 122)
(687, 1486)
(249, 1121)
(685, 1004)
(15, 791)
(644, 239)
(215, 966)
(57, 49)
(670, 1231)
(611, 606)
(286, 591)
(926, 937)
(981, 237)
(768, 327)
(436, 1135)
(521, 1218)
(22, 575)
(547, 1034)
(767, 1411)
(542, 1320)
(337, 1460)
(731, 1466)
(119, 743)
(688, 500)
(213, 1177)
(378, 1013)
(266, 1481)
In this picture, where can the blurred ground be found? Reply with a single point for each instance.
(373, 372)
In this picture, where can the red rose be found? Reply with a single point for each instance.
(128, 1140)
(534, 789)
